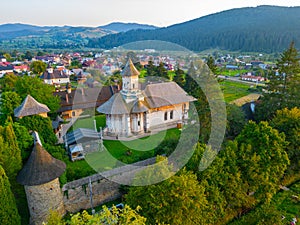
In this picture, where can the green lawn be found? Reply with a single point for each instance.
(117, 152)
(89, 122)
(232, 72)
(234, 90)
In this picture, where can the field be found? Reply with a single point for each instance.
(232, 72)
(234, 90)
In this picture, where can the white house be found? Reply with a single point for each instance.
(55, 77)
(133, 111)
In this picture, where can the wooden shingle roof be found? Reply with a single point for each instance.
(29, 107)
(164, 94)
(129, 69)
(40, 168)
(115, 106)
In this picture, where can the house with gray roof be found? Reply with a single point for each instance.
(133, 111)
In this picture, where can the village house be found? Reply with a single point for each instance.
(253, 78)
(74, 102)
(21, 68)
(6, 69)
(132, 110)
(55, 77)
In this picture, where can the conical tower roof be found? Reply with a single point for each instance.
(41, 167)
(29, 107)
(129, 69)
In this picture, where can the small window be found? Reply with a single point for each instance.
(166, 115)
(139, 123)
(132, 86)
(73, 113)
(171, 115)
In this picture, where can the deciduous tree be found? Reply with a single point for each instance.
(38, 67)
(288, 122)
(177, 200)
(262, 159)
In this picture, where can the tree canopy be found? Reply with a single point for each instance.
(177, 200)
(283, 88)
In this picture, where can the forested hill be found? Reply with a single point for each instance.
(254, 29)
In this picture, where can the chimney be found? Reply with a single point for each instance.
(50, 70)
(67, 97)
(69, 88)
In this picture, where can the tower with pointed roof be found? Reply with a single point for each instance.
(30, 107)
(130, 82)
(133, 111)
(40, 179)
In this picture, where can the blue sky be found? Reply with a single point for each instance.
(101, 12)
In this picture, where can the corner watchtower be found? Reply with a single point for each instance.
(40, 179)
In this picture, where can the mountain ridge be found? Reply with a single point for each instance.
(263, 28)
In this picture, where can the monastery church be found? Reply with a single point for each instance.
(133, 111)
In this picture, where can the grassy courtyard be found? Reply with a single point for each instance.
(89, 122)
(117, 152)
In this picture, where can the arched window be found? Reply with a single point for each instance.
(171, 115)
(166, 115)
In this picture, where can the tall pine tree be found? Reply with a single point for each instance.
(10, 154)
(283, 89)
(8, 210)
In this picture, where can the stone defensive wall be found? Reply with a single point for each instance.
(76, 194)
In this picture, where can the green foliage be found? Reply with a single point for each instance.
(38, 67)
(9, 101)
(161, 71)
(283, 204)
(75, 64)
(236, 120)
(283, 88)
(177, 200)
(40, 124)
(262, 159)
(10, 154)
(267, 31)
(8, 210)
(179, 77)
(116, 78)
(193, 88)
(212, 66)
(40, 91)
(8, 82)
(151, 69)
(288, 122)
(112, 216)
(24, 140)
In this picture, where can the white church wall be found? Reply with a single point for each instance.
(159, 118)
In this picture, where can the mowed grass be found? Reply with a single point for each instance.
(234, 90)
(232, 72)
(117, 152)
(89, 122)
